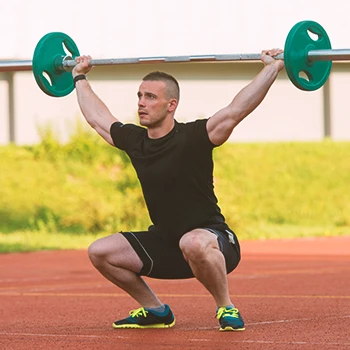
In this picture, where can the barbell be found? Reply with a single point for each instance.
(307, 57)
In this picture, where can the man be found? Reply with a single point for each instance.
(173, 161)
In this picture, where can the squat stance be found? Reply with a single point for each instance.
(173, 161)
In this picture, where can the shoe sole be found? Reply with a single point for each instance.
(137, 326)
(231, 329)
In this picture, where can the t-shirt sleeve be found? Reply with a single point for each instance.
(124, 135)
(199, 135)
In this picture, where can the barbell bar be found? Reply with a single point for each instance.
(67, 62)
(308, 60)
(13, 65)
(314, 55)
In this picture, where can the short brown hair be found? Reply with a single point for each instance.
(173, 88)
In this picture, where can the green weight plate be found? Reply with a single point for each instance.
(296, 60)
(47, 64)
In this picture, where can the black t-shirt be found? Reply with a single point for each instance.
(176, 175)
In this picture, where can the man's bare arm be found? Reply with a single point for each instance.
(222, 123)
(94, 110)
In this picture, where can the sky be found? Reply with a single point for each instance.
(138, 28)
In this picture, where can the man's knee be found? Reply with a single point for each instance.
(116, 251)
(102, 249)
(195, 244)
(97, 252)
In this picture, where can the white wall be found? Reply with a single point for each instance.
(340, 107)
(123, 28)
(287, 113)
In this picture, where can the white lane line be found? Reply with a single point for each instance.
(33, 292)
(52, 335)
(274, 342)
(65, 276)
(274, 321)
(296, 320)
(250, 341)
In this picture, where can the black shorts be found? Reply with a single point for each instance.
(165, 261)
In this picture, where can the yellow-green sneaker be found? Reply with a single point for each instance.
(144, 318)
(230, 319)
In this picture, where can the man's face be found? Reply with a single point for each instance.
(152, 103)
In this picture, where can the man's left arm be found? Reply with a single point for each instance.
(222, 123)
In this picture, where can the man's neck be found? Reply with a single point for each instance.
(161, 130)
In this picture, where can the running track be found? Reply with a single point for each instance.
(293, 294)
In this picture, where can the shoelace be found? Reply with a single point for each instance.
(138, 312)
(222, 312)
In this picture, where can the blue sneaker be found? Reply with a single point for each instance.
(230, 319)
(143, 318)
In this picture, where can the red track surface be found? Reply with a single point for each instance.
(292, 294)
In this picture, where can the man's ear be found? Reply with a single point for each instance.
(172, 104)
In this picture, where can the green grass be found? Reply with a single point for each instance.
(29, 241)
(305, 185)
(55, 196)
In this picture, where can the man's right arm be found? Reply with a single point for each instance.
(94, 110)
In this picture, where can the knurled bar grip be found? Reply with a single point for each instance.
(313, 55)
